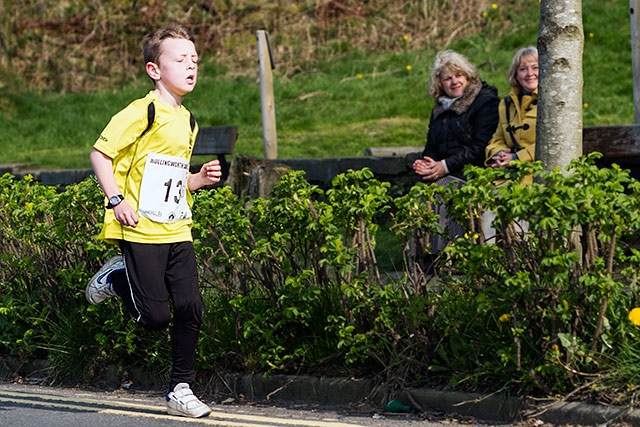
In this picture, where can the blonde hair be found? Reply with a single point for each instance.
(449, 60)
(512, 74)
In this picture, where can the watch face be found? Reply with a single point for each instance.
(115, 201)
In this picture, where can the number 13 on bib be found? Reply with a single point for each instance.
(163, 193)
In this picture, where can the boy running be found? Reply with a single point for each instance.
(144, 174)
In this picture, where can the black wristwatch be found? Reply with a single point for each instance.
(114, 201)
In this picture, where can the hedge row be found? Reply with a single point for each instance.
(292, 283)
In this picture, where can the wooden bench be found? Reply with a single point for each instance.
(614, 142)
(219, 141)
(392, 151)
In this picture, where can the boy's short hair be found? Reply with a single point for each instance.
(153, 41)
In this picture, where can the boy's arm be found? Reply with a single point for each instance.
(210, 173)
(103, 168)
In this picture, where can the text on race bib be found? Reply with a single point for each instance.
(163, 193)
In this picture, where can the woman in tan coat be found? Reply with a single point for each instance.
(515, 137)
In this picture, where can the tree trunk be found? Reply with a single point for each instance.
(560, 45)
(634, 13)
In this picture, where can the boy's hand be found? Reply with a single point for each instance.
(125, 214)
(210, 173)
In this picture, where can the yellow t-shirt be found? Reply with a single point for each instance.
(170, 135)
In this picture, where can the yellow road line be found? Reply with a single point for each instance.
(42, 399)
(216, 418)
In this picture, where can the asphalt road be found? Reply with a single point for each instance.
(43, 406)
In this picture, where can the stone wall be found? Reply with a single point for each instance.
(256, 177)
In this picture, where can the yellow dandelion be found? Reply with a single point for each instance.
(634, 316)
(485, 14)
(590, 34)
(586, 105)
(494, 6)
(359, 76)
(504, 318)
(405, 37)
(408, 67)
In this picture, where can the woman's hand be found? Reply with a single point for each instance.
(429, 169)
(502, 159)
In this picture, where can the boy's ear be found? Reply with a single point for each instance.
(153, 71)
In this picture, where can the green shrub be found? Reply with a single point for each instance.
(281, 264)
(544, 308)
(49, 254)
(292, 285)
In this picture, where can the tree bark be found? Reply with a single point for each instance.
(560, 46)
(634, 13)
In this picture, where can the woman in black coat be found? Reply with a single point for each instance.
(462, 122)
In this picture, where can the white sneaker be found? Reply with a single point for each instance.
(99, 287)
(181, 401)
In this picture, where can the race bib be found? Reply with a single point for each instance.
(163, 193)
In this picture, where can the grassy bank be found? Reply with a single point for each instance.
(335, 105)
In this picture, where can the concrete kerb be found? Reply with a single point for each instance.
(496, 407)
(319, 390)
(332, 391)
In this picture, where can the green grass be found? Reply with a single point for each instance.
(338, 108)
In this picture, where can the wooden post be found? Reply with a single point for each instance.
(634, 12)
(265, 61)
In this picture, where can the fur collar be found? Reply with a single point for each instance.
(462, 104)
